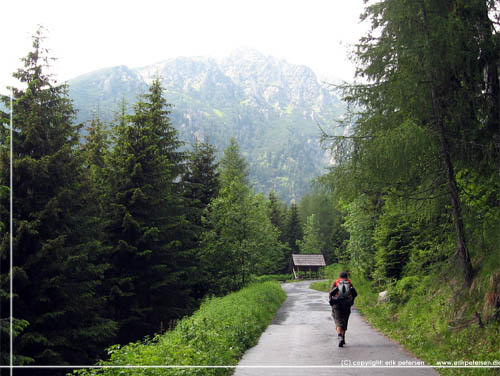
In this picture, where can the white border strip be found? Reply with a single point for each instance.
(11, 287)
(235, 366)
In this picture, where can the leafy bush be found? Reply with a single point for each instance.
(393, 238)
(216, 335)
(401, 292)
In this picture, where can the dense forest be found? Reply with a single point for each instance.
(121, 230)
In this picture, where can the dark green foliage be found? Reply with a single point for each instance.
(276, 213)
(393, 243)
(200, 186)
(94, 152)
(96, 143)
(311, 243)
(146, 229)
(200, 181)
(293, 232)
(55, 273)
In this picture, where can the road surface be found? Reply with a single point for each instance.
(302, 340)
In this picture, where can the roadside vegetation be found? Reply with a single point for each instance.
(437, 321)
(416, 178)
(216, 335)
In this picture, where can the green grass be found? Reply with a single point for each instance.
(216, 335)
(432, 318)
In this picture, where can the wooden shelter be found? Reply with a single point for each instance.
(307, 263)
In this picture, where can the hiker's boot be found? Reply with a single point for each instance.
(341, 340)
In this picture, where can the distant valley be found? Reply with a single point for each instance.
(272, 108)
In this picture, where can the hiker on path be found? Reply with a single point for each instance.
(341, 296)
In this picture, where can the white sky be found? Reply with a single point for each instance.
(89, 35)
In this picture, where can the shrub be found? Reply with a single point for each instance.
(401, 292)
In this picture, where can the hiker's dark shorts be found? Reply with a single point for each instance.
(340, 314)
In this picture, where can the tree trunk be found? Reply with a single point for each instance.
(463, 252)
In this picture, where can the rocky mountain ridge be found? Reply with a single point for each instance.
(273, 109)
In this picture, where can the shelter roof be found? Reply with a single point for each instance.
(308, 260)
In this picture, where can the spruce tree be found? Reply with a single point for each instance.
(293, 233)
(55, 276)
(200, 181)
(146, 230)
(96, 143)
(200, 186)
(5, 275)
(276, 214)
(95, 150)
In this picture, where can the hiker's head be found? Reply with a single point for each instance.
(343, 275)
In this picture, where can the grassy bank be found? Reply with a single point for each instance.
(434, 318)
(216, 335)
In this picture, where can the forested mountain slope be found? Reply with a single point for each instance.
(272, 108)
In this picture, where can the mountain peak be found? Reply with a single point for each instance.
(246, 52)
(270, 106)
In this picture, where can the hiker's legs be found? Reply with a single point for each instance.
(341, 316)
(340, 323)
(340, 331)
(347, 313)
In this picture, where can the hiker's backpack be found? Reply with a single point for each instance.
(344, 287)
(342, 293)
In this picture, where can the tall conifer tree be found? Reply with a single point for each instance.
(200, 186)
(200, 181)
(55, 276)
(146, 229)
(293, 232)
(276, 214)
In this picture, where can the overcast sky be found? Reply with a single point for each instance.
(89, 35)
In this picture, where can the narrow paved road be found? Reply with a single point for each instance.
(302, 341)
